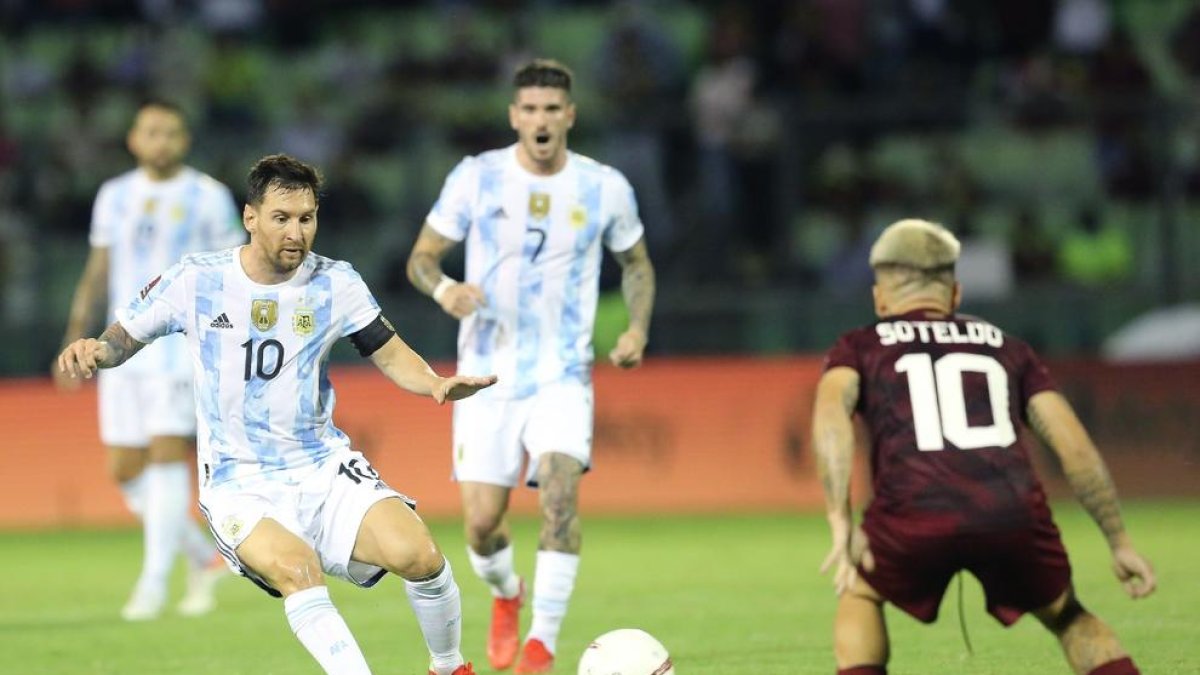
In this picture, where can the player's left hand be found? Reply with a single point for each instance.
(629, 349)
(82, 357)
(845, 557)
(461, 386)
(1134, 572)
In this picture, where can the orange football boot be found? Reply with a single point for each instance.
(464, 669)
(535, 658)
(504, 635)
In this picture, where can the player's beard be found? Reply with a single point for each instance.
(288, 262)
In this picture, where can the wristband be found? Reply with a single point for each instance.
(440, 289)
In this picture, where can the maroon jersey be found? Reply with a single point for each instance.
(944, 398)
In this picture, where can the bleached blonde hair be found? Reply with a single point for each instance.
(913, 253)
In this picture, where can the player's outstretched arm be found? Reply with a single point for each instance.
(1055, 421)
(833, 444)
(84, 356)
(638, 287)
(409, 371)
(86, 304)
(425, 272)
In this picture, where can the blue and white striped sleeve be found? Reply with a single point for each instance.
(623, 227)
(451, 214)
(158, 308)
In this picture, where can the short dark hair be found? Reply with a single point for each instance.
(281, 172)
(164, 104)
(543, 73)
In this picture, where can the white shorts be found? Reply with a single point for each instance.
(492, 435)
(135, 407)
(325, 509)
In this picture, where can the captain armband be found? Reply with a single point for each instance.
(374, 335)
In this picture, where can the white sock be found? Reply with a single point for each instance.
(323, 632)
(134, 492)
(165, 516)
(436, 603)
(197, 545)
(553, 581)
(496, 570)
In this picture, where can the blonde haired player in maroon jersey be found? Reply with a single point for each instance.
(942, 395)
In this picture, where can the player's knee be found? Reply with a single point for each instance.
(124, 467)
(294, 571)
(414, 562)
(481, 525)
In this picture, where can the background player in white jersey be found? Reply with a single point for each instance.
(143, 221)
(534, 217)
(286, 496)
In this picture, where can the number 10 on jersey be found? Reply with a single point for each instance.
(259, 366)
(939, 407)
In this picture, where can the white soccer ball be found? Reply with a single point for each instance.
(626, 651)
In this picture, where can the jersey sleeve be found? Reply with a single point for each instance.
(1035, 376)
(451, 214)
(623, 228)
(101, 233)
(358, 306)
(843, 354)
(223, 225)
(158, 309)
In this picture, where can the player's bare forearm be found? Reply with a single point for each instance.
(638, 285)
(405, 367)
(833, 439)
(425, 262)
(89, 298)
(1055, 422)
(120, 346)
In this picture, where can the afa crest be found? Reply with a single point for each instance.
(304, 322)
(539, 204)
(579, 216)
(264, 314)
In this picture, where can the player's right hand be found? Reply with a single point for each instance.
(461, 299)
(82, 358)
(844, 558)
(1135, 572)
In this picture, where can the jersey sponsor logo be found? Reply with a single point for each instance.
(222, 321)
(579, 216)
(150, 286)
(304, 321)
(264, 314)
(539, 204)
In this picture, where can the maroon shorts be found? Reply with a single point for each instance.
(1021, 570)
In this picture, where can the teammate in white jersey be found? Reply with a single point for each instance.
(286, 496)
(143, 221)
(534, 217)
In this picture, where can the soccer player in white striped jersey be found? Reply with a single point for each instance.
(286, 496)
(143, 221)
(534, 217)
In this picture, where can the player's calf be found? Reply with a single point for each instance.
(1089, 644)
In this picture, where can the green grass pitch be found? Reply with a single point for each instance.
(727, 594)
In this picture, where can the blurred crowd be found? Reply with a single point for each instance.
(768, 141)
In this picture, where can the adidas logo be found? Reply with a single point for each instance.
(221, 321)
(499, 213)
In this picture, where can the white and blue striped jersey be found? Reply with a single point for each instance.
(533, 246)
(147, 226)
(264, 401)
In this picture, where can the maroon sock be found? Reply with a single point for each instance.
(1119, 667)
(882, 670)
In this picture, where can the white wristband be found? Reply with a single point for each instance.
(440, 289)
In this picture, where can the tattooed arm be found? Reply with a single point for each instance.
(833, 441)
(83, 357)
(425, 272)
(87, 303)
(1055, 422)
(833, 444)
(637, 285)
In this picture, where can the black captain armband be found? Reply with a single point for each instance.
(371, 337)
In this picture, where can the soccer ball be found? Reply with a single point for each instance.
(626, 651)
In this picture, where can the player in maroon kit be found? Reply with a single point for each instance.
(954, 489)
